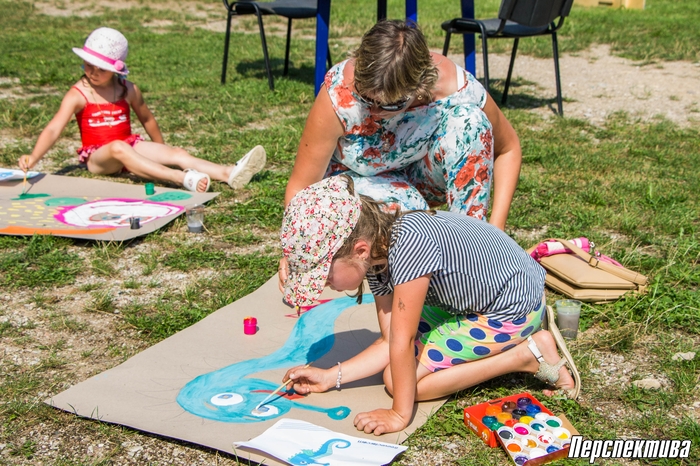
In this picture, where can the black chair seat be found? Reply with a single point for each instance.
(516, 19)
(294, 9)
(511, 29)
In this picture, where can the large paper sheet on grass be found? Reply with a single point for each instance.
(203, 383)
(87, 208)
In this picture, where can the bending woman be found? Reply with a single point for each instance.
(411, 128)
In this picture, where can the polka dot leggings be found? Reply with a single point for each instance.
(445, 340)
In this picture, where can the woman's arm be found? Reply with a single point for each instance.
(316, 147)
(406, 311)
(148, 121)
(72, 103)
(318, 141)
(370, 361)
(506, 165)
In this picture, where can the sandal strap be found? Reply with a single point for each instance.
(546, 372)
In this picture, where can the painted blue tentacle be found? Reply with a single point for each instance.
(311, 338)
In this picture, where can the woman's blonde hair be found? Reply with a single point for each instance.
(393, 61)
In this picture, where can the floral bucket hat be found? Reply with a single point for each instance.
(105, 48)
(316, 223)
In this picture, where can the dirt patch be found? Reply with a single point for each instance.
(596, 84)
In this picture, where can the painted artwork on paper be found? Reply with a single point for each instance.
(114, 213)
(87, 208)
(301, 443)
(230, 394)
(9, 174)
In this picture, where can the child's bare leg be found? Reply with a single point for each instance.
(433, 385)
(178, 157)
(110, 159)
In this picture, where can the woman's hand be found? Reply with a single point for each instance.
(380, 421)
(282, 273)
(26, 162)
(309, 379)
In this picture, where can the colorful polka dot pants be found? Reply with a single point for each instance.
(445, 340)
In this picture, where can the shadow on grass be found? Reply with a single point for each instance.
(256, 69)
(521, 95)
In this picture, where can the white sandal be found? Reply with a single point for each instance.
(249, 165)
(192, 179)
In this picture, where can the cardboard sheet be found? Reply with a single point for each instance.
(202, 384)
(88, 209)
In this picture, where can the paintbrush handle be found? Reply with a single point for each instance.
(274, 392)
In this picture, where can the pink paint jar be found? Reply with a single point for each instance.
(250, 325)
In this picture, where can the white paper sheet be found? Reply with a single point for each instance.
(10, 174)
(302, 443)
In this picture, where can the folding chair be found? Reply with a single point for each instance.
(290, 9)
(516, 19)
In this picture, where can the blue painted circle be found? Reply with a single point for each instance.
(424, 327)
(506, 348)
(456, 361)
(472, 317)
(481, 350)
(527, 331)
(520, 321)
(477, 333)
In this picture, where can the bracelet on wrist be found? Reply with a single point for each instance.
(340, 376)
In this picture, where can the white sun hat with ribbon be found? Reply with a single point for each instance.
(105, 48)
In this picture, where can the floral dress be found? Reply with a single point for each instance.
(422, 157)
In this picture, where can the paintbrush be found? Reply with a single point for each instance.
(24, 183)
(274, 392)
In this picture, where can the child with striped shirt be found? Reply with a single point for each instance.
(458, 301)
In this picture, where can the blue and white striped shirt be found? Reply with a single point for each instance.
(475, 266)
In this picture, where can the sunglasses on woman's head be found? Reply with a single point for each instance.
(392, 107)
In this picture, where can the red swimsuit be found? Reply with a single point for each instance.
(100, 124)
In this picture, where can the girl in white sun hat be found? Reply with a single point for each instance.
(102, 100)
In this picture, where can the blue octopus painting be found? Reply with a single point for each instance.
(231, 395)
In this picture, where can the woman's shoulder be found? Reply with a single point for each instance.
(456, 84)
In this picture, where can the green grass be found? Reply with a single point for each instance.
(630, 186)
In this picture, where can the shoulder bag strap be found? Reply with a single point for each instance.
(593, 261)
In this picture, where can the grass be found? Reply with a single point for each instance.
(629, 186)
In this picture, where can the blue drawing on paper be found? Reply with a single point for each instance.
(309, 457)
(230, 395)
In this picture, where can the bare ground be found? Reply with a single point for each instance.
(59, 336)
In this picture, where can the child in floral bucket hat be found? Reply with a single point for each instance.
(458, 301)
(102, 101)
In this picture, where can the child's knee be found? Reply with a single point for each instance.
(119, 149)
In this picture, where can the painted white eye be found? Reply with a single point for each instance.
(226, 399)
(265, 411)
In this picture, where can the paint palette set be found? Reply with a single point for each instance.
(522, 426)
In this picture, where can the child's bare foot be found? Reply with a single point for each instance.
(547, 347)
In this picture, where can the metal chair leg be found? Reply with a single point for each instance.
(226, 44)
(510, 70)
(555, 50)
(485, 54)
(446, 46)
(286, 50)
(270, 79)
